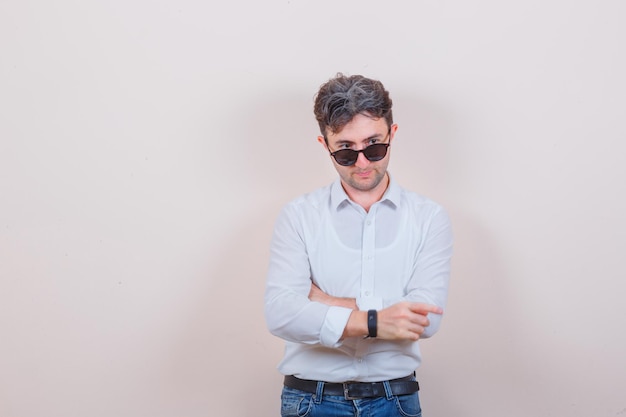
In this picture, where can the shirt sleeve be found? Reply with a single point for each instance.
(289, 313)
(431, 269)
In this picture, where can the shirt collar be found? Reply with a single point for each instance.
(338, 196)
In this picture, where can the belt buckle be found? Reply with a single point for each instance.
(346, 391)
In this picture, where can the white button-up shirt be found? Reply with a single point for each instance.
(399, 250)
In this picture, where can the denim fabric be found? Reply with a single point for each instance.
(296, 403)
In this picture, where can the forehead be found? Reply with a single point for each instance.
(360, 128)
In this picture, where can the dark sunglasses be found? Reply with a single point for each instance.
(347, 157)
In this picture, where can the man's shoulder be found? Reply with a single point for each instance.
(421, 208)
(417, 200)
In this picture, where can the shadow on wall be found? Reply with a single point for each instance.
(224, 359)
(474, 362)
(427, 156)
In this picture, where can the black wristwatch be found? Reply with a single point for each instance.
(372, 323)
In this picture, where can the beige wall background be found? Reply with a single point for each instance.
(146, 148)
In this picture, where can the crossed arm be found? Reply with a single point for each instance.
(401, 321)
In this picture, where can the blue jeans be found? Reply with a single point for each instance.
(296, 403)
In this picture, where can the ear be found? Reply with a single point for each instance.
(392, 132)
(321, 140)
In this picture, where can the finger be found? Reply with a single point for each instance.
(415, 332)
(422, 308)
(418, 330)
(419, 319)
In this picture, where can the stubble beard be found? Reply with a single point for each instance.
(354, 182)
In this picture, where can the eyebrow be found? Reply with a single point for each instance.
(349, 142)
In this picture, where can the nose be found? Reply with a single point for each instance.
(361, 161)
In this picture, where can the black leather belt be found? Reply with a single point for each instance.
(354, 390)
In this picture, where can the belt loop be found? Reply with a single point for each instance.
(317, 398)
(387, 389)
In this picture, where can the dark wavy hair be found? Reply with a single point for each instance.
(343, 97)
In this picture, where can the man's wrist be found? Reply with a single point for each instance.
(345, 302)
(357, 324)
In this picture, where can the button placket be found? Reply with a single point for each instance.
(368, 248)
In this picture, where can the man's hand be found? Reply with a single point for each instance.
(405, 320)
(316, 294)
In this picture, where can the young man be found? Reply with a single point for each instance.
(358, 270)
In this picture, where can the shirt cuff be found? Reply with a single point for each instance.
(334, 325)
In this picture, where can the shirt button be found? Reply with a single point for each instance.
(359, 360)
(367, 293)
(368, 222)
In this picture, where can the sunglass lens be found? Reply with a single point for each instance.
(375, 152)
(346, 157)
